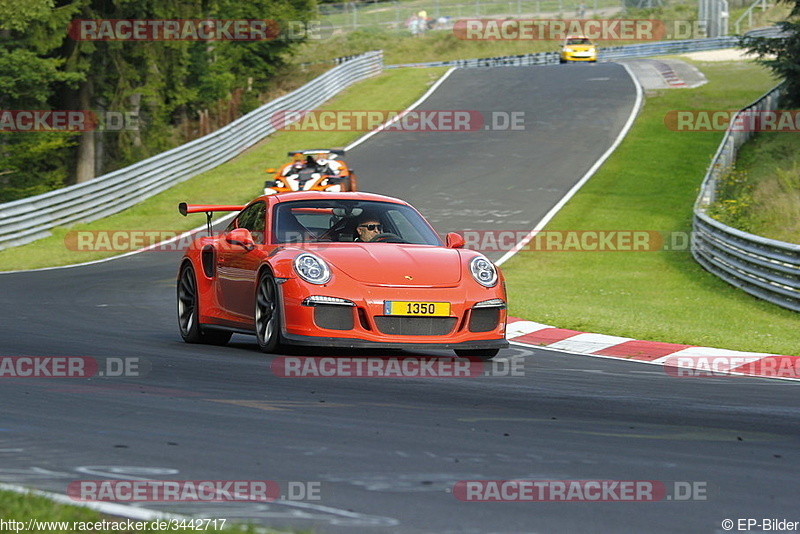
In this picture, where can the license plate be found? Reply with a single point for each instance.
(427, 309)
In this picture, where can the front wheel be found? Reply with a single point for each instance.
(482, 354)
(268, 313)
(188, 315)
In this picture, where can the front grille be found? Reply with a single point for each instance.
(333, 317)
(415, 326)
(483, 319)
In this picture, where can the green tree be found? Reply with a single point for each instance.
(782, 54)
(30, 74)
(166, 82)
(163, 83)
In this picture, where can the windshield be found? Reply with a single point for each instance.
(578, 41)
(306, 221)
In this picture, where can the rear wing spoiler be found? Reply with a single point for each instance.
(209, 209)
(186, 209)
(337, 152)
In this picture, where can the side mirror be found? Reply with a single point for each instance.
(241, 237)
(271, 170)
(454, 240)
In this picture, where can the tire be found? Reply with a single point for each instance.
(267, 313)
(188, 316)
(483, 354)
(352, 182)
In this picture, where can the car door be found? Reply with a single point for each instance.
(236, 266)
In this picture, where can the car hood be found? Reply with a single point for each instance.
(396, 264)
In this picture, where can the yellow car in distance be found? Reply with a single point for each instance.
(578, 48)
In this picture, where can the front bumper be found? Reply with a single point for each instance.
(364, 324)
(579, 56)
(314, 341)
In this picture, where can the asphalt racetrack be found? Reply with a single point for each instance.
(384, 455)
(500, 178)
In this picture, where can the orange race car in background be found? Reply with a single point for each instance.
(353, 270)
(312, 170)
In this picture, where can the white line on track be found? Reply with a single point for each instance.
(399, 116)
(118, 510)
(552, 213)
(352, 145)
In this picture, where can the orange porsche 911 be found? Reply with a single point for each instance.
(341, 270)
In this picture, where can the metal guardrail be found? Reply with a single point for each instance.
(26, 220)
(765, 268)
(662, 48)
(659, 48)
(604, 54)
(522, 60)
(29, 219)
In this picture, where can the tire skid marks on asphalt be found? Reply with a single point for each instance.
(275, 510)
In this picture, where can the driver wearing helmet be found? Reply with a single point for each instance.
(295, 168)
(329, 167)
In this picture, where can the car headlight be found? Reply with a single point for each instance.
(483, 271)
(311, 268)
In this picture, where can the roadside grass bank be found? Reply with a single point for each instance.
(235, 182)
(762, 194)
(650, 184)
(56, 518)
(400, 46)
(377, 14)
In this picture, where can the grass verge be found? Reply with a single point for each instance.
(17, 509)
(650, 183)
(762, 195)
(399, 46)
(235, 182)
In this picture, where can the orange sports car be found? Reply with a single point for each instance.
(342, 270)
(312, 170)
